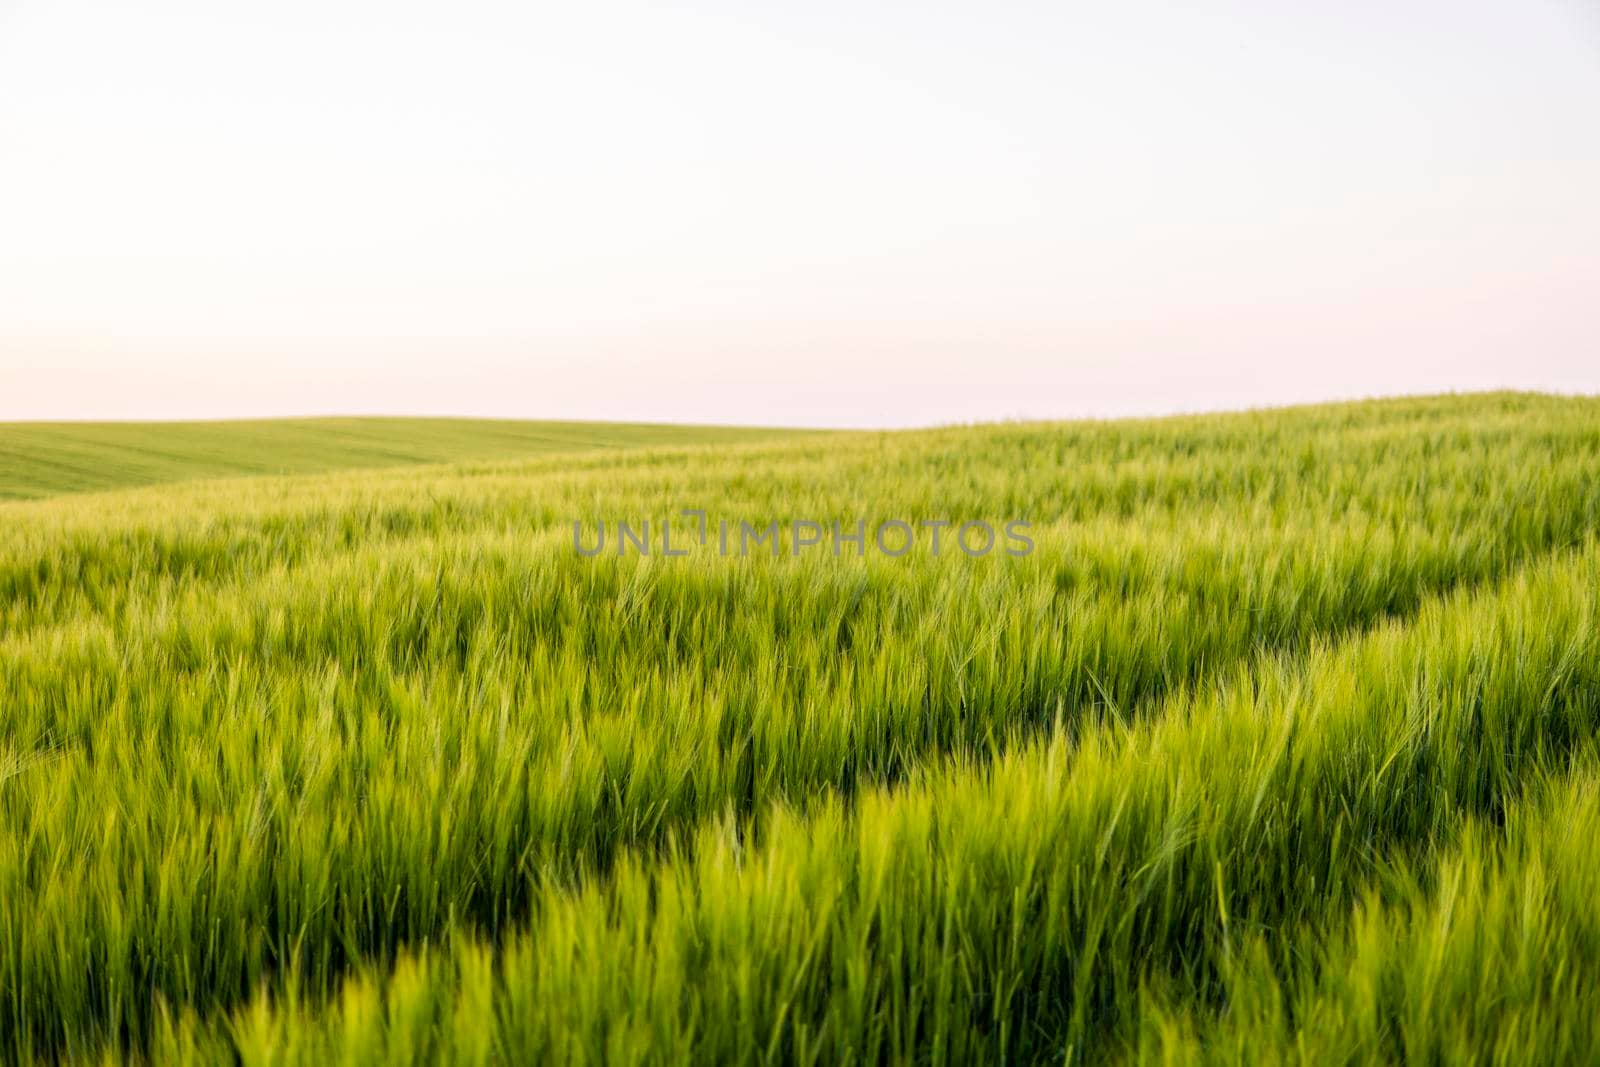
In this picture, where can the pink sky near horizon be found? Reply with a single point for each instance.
(825, 214)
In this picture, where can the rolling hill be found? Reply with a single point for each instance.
(43, 459)
(1278, 743)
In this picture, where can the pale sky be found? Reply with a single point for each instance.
(815, 212)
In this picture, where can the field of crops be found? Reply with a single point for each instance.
(1280, 744)
(42, 459)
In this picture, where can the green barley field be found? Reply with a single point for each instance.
(330, 741)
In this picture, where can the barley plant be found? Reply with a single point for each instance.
(323, 742)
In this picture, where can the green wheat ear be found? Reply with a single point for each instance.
(319, 743)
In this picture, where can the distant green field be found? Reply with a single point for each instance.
(43, 459)
(1281, 745)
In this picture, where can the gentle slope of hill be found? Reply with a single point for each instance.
(1282, 745)
(42, 459)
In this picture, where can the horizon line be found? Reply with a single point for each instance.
(1020, 418)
